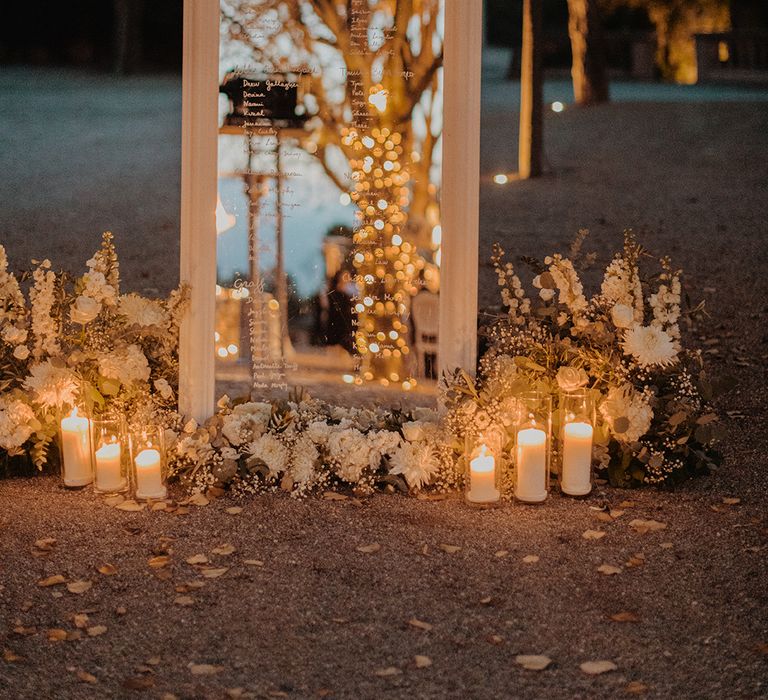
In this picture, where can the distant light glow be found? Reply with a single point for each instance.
(501, 179)
(558, 106)
(344, 199)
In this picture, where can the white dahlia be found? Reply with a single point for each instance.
(416, 461)
(52, 386)
(649, 345)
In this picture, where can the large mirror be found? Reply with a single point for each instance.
(328, 220)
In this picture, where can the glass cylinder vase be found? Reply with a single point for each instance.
(482, 482)
(577, 428)
(533, 443)
(111, 460)
(75, 448)
(149, 471)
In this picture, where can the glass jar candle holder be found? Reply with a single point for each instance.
(75, 448)
(110, 454)
(533, 442)
(482, 482)
(149, 471)
(577, 416)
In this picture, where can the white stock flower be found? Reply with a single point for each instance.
(623, 316)
(51, 386)
(84, 310)
(416, 461)
(17, 423)
(649, 346)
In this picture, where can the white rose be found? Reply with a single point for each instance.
(164, 388)
(570, 378)
(14, 336)
(84, 310)
(622, 316)
(413, 431)
(547, 294)
(21, 352)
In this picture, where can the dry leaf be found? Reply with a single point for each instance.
(726, 501)
(530, 559)
(369, 548)
(496, 639)
(131, 506)
(214, 573)
(603, 517)
(197, 559)
(627, 504)
(11, 656)
(486, 601)
(667, 545)
(635, 560)
(139, 683)
(450, 548)
(205, 669)
(24, 631)
(107, 570)
(55, 580)
(159, 505)
(26, 605)
(625, 616)
(74, 635)
(422, 661)
(96, 630)
(253, 562)
(159, 562)
(643, 526)
(234, 510)
(224, 550)
(184, 600)
(120, 610)
(614, 513)
(595, 668)
(56, 635)
(501, 553)
(386, 672)
(608, 569)
(635, 688)
(44, 545)
(533, 662)
(198, 499)
(593, 534)
(80, 620)
(79, 587)
(419, 624)
(86, 677)
(333, 496)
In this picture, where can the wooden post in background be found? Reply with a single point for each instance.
(199, 183)
(460, 191)
(531, 92)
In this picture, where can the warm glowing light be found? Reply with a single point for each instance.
(558, 106)
(396, 240)
(232, 349)
(274, 305)
(348, 378)
(344, 199)
(222, 352)
(501, 179)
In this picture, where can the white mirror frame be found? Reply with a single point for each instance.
(460, 191)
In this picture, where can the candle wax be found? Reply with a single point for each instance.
(577, 459)
(76, 450)
(531, 482)
(149, 479)
(482, 478)
(108, 467)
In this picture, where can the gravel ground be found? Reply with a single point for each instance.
(319, 618)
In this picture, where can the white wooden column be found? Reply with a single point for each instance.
(199, 175)
(459, 199)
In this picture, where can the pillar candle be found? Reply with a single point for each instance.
(482, 478)
(76, 450)
(149, 479)
(577, 459)
(531, 481)
(108, 467)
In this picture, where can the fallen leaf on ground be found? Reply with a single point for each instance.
(159, 505)
(131, 506)
(11, 656)
(54, 580)
(120, 610)
(422, 661)
(450, 548)
(160, 561)
(625, 616)
(762, 648)
(197, 559)
(615, 513)
(530, 559)
(24, 631)
(635, 560)
(608, 569)
(730, 501)
(234, 510)
(184, 600)
(80, 620)
(154, 661)
(495, 639)
(603, 517)
(56, 635)
(224, 550)
(198, 499)
(96, 630)
(388, 671)
(635, 688)
(595, 668)
(79, 587)
(205, 669)
(593, 534)
(420, 624)
(627, 504)
(333, 496)
(214, 573)
(253, 562)
(486, 601)
(43, 547)
(643, 526)
(533, 662)
(86, 677)
(667, 545)
(139, 683)
(369, 548)
(501, 553)
(74, 635)
(107, 570)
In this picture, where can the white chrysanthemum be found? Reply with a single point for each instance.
(350, 451)
(272, 452)
(305, 456)
(319, 431)
(17, 423)
(51, 386)
(127, 365)
(627, 412)
(416, 461)
(143, 312)
(649, 346)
